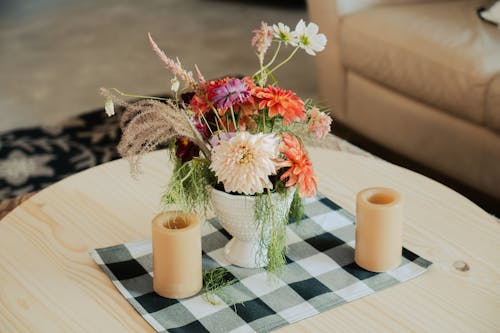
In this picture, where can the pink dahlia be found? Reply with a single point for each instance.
(230, 93)
(319, 123)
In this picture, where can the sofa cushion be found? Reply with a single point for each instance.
(438, 53)
(493, 104)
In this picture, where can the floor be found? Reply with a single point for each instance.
(55, 54)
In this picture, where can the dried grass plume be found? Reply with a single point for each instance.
(147, 124)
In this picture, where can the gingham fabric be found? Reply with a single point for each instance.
(320, 274)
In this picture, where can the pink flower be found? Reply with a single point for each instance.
(262, 39)
(202, 101)
(230, 93)
(217, 138)
(174, 67)
(319, 123)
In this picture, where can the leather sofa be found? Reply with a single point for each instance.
(421, 78)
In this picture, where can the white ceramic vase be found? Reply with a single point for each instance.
(236, 213)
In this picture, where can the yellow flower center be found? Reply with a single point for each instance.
(284, 36)
(304, 40)
(246, 155)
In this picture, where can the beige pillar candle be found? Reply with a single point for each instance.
(176, 254)
(379, 229)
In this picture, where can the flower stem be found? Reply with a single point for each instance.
(206, 122)
(197, 139)
(284, 61)
(264, 121)
(234, 119)
(187, 175)
(219, 119)
(270, 62)
(140, 96)
(274, 56)
(272, 78)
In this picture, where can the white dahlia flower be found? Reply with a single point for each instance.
(245, 162)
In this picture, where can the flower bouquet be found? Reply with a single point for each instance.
(237, 143)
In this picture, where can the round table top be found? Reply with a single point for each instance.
(49, 283)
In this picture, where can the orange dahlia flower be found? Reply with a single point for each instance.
(300, 167)
(251, 85)
(281, 102)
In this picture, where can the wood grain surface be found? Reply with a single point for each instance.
(49, 283)
(6, 206)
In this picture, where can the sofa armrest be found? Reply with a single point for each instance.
(330, 72)
(345, 7)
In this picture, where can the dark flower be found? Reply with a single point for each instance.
(186, 150)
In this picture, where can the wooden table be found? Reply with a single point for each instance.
(49, 283)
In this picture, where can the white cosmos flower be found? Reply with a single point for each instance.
(308, 37)
(245, 162)
(109, 107)
(283, 33)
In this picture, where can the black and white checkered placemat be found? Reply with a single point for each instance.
(320, 274)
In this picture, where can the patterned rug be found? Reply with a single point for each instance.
(33, 158)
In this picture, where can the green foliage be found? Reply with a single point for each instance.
(297, 208)
(272, 219)
(189, 187)
(214, 282)
(309, 104)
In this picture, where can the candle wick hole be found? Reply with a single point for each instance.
(176, 223)
(381, 198)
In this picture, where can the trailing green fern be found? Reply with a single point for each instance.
(214, 282)
(272, 221)
(189, 187)
(297, 208)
